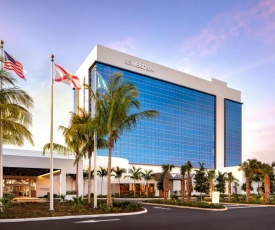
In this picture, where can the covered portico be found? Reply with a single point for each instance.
(28, 175)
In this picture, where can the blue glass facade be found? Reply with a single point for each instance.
(185, 129)
(233, 133)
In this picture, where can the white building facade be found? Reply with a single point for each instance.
(200, 121)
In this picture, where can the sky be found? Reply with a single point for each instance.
(231, 40)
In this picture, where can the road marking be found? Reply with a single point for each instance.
(162, 208)
(94, 221)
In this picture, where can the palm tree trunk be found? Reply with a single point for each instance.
(211, 189)
(118, 187)
(83, 186)
(267, 188)
(182, 189)
(109, 191)
(147, 189)
(166, 186)
(229, 191)
(89, 178)
(76, 181)
(134, 188)
(189, 187)
(247, 188)
(101, 184)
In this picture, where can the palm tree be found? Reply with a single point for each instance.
(249, 168)
(166, 169)
(258, 178)
(221, 179)
(147, 176)
(230, 179)
(118, 174)
(102, 172)
(189, 167)
(136, 175)
(211, 174)
(117, 110)
(183, 171)
(15, 118)
(87, 177)
(74, 143)
(266, 170)
(85, 126)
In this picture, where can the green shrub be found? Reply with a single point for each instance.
(77, 201)
(189, 204)
(133, 206)
(121, 204)
(62, 197)
(174, 197)
(72, 192)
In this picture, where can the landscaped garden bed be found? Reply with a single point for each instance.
(67, 208)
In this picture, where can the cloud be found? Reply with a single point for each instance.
(249, 66)
(127, 46)
(256, 20)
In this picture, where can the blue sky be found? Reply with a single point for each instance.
(231, 40)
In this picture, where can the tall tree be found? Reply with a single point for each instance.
(147, 176)
(200, 180)
(85, 126)
(258, 178)
(102, 172)
(135, 175)
(221, 182)
(266, 170)
(87, 177)
(211, 174)
(15, 117)
(72, 148)
(183, 171)
(230, 179)
(189, 186)
(74, 145)
(166, 169)
(118, 172)
(249, 168)
(117, 110)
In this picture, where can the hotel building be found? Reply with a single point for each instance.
(199, 121)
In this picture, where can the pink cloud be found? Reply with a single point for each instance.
(256, 20)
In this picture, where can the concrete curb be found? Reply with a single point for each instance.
(243, 204)
(72, 217)
(187, 207)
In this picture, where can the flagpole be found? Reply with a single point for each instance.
(1, 143)
(95, 148)
(51, 140)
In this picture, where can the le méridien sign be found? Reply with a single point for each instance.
(139, 65)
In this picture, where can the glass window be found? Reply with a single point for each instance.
(233, 133)
(183, 131)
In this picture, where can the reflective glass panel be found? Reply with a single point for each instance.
(185, 129)
(233, 133)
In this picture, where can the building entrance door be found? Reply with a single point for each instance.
(20, 187)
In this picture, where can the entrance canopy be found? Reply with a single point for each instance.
(14, 171)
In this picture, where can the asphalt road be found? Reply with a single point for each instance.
(157, 217)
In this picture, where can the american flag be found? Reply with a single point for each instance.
(11, 63)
